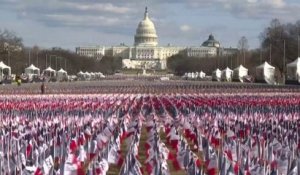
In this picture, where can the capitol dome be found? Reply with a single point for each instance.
(211, 42)
(145, 32)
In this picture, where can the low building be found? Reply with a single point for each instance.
(202, 51)
(94, 51)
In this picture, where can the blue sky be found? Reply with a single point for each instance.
(71, 23)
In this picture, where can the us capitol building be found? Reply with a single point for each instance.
(146, 53)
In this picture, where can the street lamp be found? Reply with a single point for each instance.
(298, 45)
(8, 62)
(46, 61)
(37, 58)
(284, 63)
(60, 62)
(51, 59)
(7, 49)
(55, 63)
(65, 64)
(284, 57)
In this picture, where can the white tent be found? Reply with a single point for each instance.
(227, 74)
(193, 75)
(87, 76)
(293, 71)
(216, 75)
(202, 75)
(32, 70)
(97, 75)
(101, 75)
(265, 73)
(93, 75)
(4, 70)
(239, 73)
(80, 75)
(49, 72)
(62, 75)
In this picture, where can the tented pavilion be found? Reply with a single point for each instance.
(216, 75)
(293, 72)
(87, 76)
(265, 73)
(80, 75)
(4, 70)
(49, 72)
(202, 75)
(239, 73)
(32, 70)
(227, 74)
(61, 75)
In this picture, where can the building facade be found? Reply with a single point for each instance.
(202, 51)
(146, 53)
(94, 51)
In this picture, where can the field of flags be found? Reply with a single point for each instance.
(252, 132)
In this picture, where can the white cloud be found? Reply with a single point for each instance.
(103, 7)
(193, 19)
(252, 1)
(129, 10)
(78, 20)
(252, 9)
(185, 28)
(274, 3)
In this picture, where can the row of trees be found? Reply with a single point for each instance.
(180, 64)
(279, 46)
(14, 54)
(72, 62)
(281, 41)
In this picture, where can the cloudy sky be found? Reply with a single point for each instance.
(71, 23)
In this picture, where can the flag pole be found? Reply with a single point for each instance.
(284, 62)
(9, 149)
(298, 45)
(270, 53)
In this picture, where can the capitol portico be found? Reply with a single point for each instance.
(146, 53)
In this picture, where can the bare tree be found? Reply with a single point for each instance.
(35, 54)
(10, 44)
(282, 43)
(243, 46)
(9, 38)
